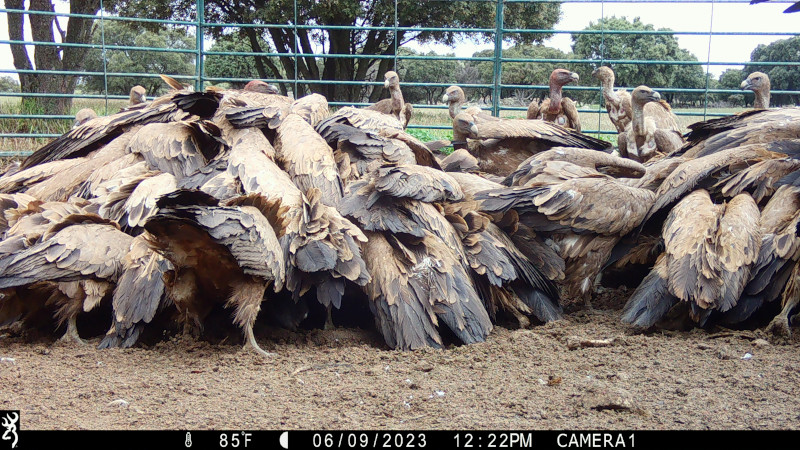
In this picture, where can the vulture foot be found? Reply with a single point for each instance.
(251, 342)
(779, 327)
(329, 319)
(72, 333)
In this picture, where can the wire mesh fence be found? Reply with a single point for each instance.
(301, 54)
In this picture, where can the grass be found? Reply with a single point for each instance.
(12, 105)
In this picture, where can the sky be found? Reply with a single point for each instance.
(690, 17)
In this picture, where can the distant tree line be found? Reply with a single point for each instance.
(263, 51)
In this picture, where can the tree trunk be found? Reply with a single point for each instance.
(49, 57)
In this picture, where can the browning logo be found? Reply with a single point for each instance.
(10, 422)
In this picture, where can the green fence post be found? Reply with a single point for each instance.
(498, 56)
(201, 13)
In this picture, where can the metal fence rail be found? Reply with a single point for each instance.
(293, 81)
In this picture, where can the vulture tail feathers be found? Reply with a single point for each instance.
(650, 302)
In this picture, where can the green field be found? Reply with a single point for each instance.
(422, 117)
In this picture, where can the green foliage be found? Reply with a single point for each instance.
(650, 47)
(732, 79)
(234, 66)
(8, 84)
(780, 77)
(137, 61)
(426, 71)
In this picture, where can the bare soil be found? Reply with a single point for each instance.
(587, 371)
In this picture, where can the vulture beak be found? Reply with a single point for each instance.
(445, 98)
(143, 98)
(655, 96)
(386, 84)
(274, 88)
(594, 73)
(574, 77)
(473, 130)
(746, 84)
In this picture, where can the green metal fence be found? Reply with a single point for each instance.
(293, 81)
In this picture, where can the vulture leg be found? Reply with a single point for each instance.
(247, 297)
(779, 326)
(72, 332)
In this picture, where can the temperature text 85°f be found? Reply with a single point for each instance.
(235, 440)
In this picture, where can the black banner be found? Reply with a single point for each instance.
(417, 439)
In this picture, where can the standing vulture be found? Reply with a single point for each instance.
(557, 108)
(653, 129)
(394, 105)
(758, 82)
(618, 103)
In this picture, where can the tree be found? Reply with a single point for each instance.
(785, 78)
(49, 57)
(8, 84)
(427, 71)
(644, 46)
(129, 34)
(234, 66)
(361, 42)
(732, 79)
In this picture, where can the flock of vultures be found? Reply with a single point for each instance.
(226, 207)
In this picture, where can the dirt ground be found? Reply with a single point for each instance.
(545, 377)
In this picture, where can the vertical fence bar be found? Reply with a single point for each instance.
(708, 61)
(498, 58)
(201, 13)
(295, 94)
(103, 52)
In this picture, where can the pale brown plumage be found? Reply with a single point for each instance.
(220, 254)
(653, 129)
(748, 127)
(709, 252)
(83, 254)
(557, 108)
(308, 159)
(617, 103)
(140, 293)
(501, 145)
(602, 162)
(583, 212)
(758, 82)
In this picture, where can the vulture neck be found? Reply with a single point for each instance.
(637, 121)
(397, 99)
(608, 91)
(762, 100)
(555, 99)
(455, 108)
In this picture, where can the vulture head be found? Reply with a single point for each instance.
(758, 82)
(391, 79)
(260, 86)
(138, 95)
(85, 115)
(604, 74)
(454, 94)
(464, 127)
(560, 77)
(644, 94)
